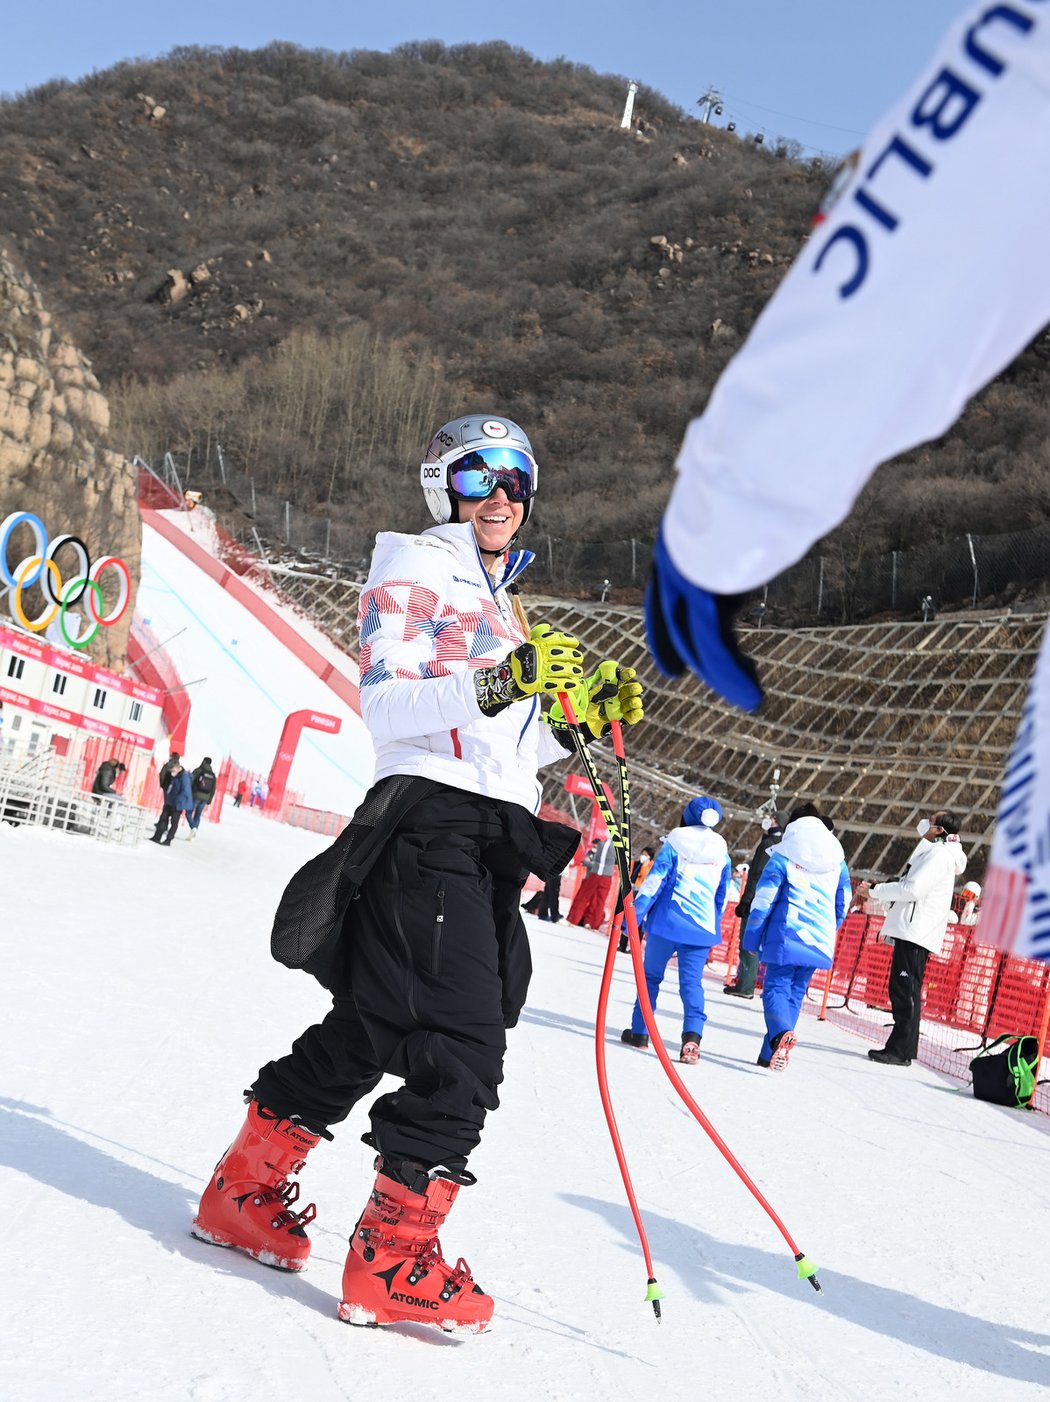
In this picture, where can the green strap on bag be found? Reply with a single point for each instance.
(1007, 1077)
(1023, 1067)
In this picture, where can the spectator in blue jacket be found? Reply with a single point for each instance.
(178, 799)
(799, 904)
(680, 904)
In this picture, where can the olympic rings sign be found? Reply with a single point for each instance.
(40, 568)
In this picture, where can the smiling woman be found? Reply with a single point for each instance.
(496, 521)
(430, 964)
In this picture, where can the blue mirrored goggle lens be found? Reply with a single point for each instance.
(476, 475)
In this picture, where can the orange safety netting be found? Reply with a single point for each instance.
(972, 992)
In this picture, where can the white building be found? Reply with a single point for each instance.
(54, 699)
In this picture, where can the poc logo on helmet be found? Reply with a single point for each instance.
(430, 472)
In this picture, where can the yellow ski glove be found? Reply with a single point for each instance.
(610, 693)
(548, 662)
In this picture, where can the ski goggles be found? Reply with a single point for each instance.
(477, 474)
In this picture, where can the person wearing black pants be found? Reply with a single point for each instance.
(743, 986)
(411, 918)
(545, 903)
(907, 971)
(920, 906)
(178, 799)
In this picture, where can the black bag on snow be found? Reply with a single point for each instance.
(1008, 1077)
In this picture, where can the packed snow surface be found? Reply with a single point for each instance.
(243, 683)
(140, 998)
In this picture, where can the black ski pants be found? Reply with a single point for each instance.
(907, 971)
(746, 970)
(545, 902)
(435, 967)
(167, 824)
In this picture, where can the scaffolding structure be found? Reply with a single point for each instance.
(878, 723)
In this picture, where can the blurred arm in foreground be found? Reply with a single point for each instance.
(922, 284)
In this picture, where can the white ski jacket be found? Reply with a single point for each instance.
(921, 901)
(430, 615)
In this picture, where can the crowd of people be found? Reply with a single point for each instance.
(793, 896)
(186, 793)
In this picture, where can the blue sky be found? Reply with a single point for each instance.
(818, 71)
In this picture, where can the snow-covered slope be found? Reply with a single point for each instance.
(140, 999)
(243, 682)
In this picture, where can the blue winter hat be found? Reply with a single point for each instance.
(702, 811)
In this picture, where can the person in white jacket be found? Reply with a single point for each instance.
(920, 907)
(411, 918)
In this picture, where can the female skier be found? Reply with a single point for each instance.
(411, 917)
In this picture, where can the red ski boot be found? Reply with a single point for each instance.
(248, 1203)
(396, 1270)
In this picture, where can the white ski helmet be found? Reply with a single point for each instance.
(499, 443)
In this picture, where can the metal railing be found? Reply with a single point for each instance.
(42, 790)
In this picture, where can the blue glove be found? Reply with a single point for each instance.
(688, 627)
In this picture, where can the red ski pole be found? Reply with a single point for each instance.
(806, 1269)
(653, 1293)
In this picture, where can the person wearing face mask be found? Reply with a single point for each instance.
(411, 919)
(920, 907)
(743, 986)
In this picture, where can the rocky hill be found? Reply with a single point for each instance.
(53, 455)
(222, 228)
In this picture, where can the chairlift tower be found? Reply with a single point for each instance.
(710, 104)
(769, 808)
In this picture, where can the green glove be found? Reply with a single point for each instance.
(610, 693)
(548, 662)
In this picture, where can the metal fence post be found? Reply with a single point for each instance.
(634, 561)
(288, 522)
(820, 587)
(973, 561)
(893, 582)
(262, 554)
(252, 481)
(222, 461)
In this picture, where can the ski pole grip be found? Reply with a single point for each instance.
(568, 711)
(616, 730)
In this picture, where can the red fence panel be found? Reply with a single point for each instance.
(1019, 997)
(848, 945)
(981, 963)
(870, 983)
(944, 971)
